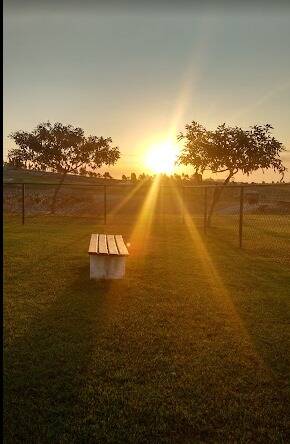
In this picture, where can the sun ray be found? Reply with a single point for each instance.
(126, 199)
(219, 290)
(142, 228)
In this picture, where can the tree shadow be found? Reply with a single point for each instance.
(44, 369)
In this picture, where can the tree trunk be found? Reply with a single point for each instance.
(216, 197)
(53, 203)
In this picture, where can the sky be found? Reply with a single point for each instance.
(139, 73)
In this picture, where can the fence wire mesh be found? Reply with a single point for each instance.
(266, 228)
(223, 217)
(255, 217)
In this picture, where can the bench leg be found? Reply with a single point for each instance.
(107, 267)
(116, 267)
(98, 267)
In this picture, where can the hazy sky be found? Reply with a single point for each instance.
(138, 74)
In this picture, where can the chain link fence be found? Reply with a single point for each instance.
(253, 217)
(266, 227)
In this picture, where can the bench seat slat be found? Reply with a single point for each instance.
(103, 248)
(93, 248)
(112, 247)
(121, 245)
(108, 245)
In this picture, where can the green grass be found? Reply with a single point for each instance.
(173, 353)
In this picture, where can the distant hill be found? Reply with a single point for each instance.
(14, 176)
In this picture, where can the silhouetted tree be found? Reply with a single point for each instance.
(61, 149)
(133, 178)
(124, 178)
(9, 166)
(107, 175)
(177, 177)
(13, 165)
(230, 149)
(196, 178)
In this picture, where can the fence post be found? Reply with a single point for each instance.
(162, 203)
(241, 216)
(105, 204)
(23, 204)
(205, 211)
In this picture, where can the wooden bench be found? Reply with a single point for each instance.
(107, 256)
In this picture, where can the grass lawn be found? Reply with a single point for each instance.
(193, 346)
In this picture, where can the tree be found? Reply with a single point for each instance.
(107, 175)
(14, 165)
(9, 166)
(133, 178)
(177, 178)
(196, 178)
(124, 177)
(229, 150)
(61, 149)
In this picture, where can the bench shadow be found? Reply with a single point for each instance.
(44, 370)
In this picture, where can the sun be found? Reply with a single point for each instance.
(161, 157)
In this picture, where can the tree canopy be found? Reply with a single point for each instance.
(62, 149)
(230, 149)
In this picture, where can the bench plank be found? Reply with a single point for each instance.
(93, 248)
(108, 245)
(103, 248)
(112, 247)
(121, 245)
